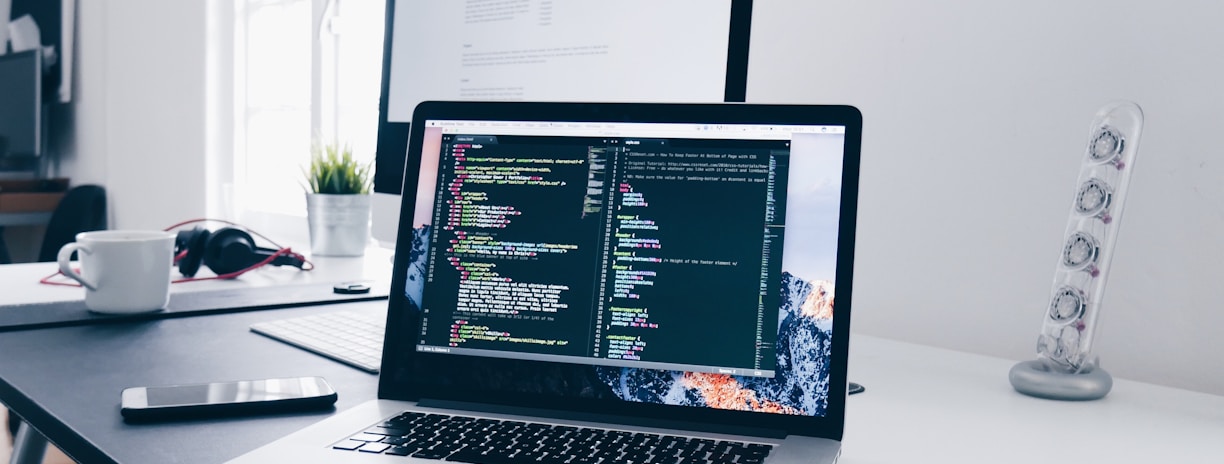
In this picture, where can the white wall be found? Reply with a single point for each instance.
(138, 124)
(976, 116)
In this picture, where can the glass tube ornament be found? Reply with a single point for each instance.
(1065, 367)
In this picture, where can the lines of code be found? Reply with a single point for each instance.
(697, 167)
(625, 347)
(621, 250)
(491, 297)
(507, 212)
(689, 234)
(464, 331)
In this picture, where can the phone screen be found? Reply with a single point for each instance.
(236, 392)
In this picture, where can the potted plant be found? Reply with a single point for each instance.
(337, 201)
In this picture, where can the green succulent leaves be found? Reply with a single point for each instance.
(334, 171)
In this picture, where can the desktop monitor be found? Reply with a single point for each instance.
(20, 104)
(691, 51)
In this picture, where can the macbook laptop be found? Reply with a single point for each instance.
(579, 283)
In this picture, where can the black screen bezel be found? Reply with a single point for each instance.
(389, 160)
(399, 381)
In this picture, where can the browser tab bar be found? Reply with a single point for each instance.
(618, 129)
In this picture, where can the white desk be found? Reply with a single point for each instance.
(19, 282)
(925, 404)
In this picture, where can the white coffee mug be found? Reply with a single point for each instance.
(123, 271)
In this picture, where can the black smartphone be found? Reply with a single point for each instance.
(175, 402)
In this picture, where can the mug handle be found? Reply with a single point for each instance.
(65, 254)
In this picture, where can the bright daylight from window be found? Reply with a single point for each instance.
(283, 100)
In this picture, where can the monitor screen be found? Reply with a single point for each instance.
(20, 104)
(541, 50)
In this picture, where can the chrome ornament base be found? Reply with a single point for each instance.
(1035, 378)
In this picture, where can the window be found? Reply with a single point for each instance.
(303, 70)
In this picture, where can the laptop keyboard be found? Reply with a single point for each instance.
(491, 441)
(352, 338)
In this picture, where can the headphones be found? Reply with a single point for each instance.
(227, 251)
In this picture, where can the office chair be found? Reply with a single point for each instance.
(83, 209)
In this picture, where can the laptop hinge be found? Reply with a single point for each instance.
(604, 418)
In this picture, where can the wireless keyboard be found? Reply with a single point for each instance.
(351, 338)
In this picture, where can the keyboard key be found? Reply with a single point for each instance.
(404, 418)
(349, 445)
(474, 458)
(388, 431)
(397, 440)
(366, 437)
(432, 453)
(373, 447)
(400, 451)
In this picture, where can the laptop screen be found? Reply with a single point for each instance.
(676, 263)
